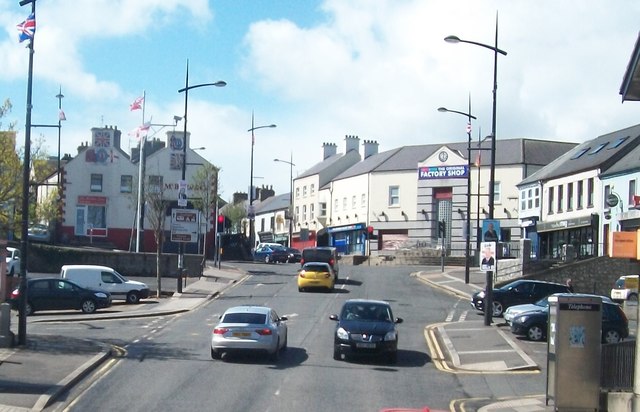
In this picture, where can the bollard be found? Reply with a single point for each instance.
(6, 336)
(179, 279)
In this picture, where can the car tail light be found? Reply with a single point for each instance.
(220, 331)
(264, 331)
(302, 261)
(15, 294)
(302, 273)
(331, 262)
(327, 275)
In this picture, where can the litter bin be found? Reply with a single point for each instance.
(574, 352)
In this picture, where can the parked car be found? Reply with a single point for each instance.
(39, 233)
(271, 254)
(13, 261)
(322, 254)
(106, 278)
(516, 293)
(513, 311)
(59, 294)
(625, 288)
(534, 325)
(366, 327)
(295, 255)
(249, 328)
(316, 275)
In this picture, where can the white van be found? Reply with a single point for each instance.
(106, 278)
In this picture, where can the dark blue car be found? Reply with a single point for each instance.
(271, 254)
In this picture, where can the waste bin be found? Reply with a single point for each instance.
(574, 352)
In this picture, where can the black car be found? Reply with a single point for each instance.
(517, 293)
(59, 294)
(534, 325)
(294, 255)
(366, 327)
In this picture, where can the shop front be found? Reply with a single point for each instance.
(348, 239)
(580, 233)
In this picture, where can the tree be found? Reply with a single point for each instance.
(156, 213)
(236, 213)
(205, 194)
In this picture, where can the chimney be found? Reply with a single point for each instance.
(352, 143)
(329, 149)
(370, 148)
(239, 197)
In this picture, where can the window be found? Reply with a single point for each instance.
(312, 189)
(304, 213)
(530, 200)
(560, 198)
(551, 198)
(297, 211)
(496, 192)
(323, 209)
(569, 196)
(580, 153)
(96, 182)
(607, 192)
(598, 148)
(363, 200)
(312, 211)
(590, 189)
(618, 142)
(126, 184)
(632, 190)
(155, 184)
(304, 191)
(394, 195)
(344, 203)
(297, 192)
(537, 197)
(353, 202)
(580, 195)
(335, 205)
(523, 200)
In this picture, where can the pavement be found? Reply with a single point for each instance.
(33, 375)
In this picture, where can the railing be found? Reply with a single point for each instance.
(617, 370)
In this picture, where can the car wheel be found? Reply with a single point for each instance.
(535, 333)
(88, 306)
(336, 353)
(276, 354)
(611, 336)
(497, 308)
(28, 309)
(393, 357)
(286, 344)
(215, 354)
(300, 289)
(133, 297)
(633, 297)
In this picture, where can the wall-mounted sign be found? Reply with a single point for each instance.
(443, 172)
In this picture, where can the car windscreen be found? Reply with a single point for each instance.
(245, 317)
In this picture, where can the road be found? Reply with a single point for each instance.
(166, 363)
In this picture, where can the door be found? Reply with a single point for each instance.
(80, 228)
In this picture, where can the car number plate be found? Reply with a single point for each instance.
(241, 334)
(365, 345)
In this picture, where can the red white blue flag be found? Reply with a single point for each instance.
(27, 28)
(137, 104)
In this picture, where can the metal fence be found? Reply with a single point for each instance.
(618, 360)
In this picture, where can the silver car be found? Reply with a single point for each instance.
(513, 311)
(249, 328)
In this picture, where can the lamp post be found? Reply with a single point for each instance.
(250, 212)
(291, 164)
(468, 217)
(186, 89)
(488, 300)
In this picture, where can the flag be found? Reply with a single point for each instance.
(137, 104)
(478, 160)
(27, 28)
(61, 115)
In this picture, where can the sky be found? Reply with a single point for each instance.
(320, 70)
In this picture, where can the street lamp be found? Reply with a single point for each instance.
(468, 217)
(186, 89)
(291, 164)
(492, 187)
(250, 211)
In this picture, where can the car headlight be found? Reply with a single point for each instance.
(520, 319)
(392, 335)
(481, 294)
(100, 295)
(342, 334)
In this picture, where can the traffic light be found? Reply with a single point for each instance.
(369, 233)
(442, 229)
(220, 228)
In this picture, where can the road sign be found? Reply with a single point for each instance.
(184, 225)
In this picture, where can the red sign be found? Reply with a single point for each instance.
(92, 200)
